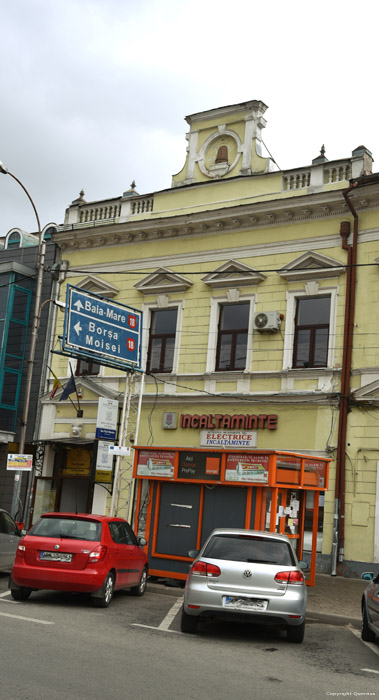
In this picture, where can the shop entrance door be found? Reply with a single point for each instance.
(178, 518)
(73, 496)
(62, 494)
(224, 506)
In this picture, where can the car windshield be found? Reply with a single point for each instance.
(248, 548)
(67, 528)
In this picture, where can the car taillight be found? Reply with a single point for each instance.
(201, 568)
(20, 551)
(295, 577)
(98, 554)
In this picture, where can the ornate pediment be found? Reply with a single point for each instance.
(367, 393)
(95, 387)
(163, 281)
(233, 274)
(311, 266)
(98, 286)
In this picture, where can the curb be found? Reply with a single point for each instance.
(330, 619)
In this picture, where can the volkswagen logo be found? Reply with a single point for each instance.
(247, 573)
(56, 546)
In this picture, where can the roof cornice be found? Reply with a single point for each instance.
(229, 219)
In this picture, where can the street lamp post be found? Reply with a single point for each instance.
(33, 341)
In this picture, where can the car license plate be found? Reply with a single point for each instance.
(245, 603)
(55, 556)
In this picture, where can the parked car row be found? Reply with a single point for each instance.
(240, 575)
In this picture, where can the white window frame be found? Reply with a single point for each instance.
(74, 363)
(233, 296)
(310, 290)
(147, 308)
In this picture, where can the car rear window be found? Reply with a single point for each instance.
(249, 549)
(67, 528)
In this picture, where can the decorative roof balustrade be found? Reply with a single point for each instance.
(317, 175)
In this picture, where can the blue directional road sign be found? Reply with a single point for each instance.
(102, 330)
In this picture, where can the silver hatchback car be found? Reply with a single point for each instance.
(9, 539)
(246, 576)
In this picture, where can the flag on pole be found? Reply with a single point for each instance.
(57, 384)
(70, 388)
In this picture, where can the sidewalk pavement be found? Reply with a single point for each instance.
(334, 600)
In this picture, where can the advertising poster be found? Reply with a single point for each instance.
(205, 466)
(248, 467)
(314, 473)
(21, 463)
(160, 463)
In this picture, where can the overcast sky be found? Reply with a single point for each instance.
(93, 93)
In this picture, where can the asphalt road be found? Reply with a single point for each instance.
(56, 646)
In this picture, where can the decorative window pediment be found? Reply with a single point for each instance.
(233, 274)
(311, 266)
(163, 281)
(368, 392)
(98, 286)
(81, 383)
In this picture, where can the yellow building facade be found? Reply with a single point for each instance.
(253, 326)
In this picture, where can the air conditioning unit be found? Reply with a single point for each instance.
(267, 321)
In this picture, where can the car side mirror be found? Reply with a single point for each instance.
(303, 565)
(142, 542)
(367, 576)
(193, 553)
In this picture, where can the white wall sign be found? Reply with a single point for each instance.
(104, 459)
(106, 423)
(228, 438)
(119, 450)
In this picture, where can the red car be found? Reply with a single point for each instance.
(81, 553)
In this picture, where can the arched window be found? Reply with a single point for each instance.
(14, 240)
(48, 232)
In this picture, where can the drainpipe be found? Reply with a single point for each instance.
(351, 270)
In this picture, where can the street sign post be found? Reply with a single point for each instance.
(102, 330)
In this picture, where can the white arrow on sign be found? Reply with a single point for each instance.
(78, 305)
(78, 327)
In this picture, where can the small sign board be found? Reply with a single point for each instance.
(104, 462)
(106, 423)
(119, 450)
(21, 463)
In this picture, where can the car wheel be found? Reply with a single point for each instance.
(20, 593)
(106, 593)
(296, 634)
(141, 588)
(188, 623)
(367, 634)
